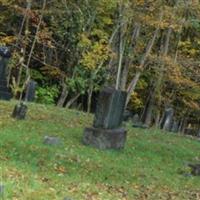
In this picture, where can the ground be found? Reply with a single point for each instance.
(152, 166)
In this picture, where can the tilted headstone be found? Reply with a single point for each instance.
(106, 132)
(30, 91)
(5, 93)
(166, 123)
(20, 111)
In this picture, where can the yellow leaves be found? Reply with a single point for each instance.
(85, 42)
(135, 101)
(7, 40)
(98, 53)
(52, 71)
(188, 48)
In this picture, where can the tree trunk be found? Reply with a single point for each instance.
(134, 81)
(129, 59)
(149, 111)
(89, 101)
(72, 100)
(63, 96)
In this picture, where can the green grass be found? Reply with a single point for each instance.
(149, 167)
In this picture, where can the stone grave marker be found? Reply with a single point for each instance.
(175, 126)
(166, 123)
(106, 132)
(5, 93)
(30, 91)
(20, 111)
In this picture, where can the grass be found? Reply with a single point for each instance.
(150, 167)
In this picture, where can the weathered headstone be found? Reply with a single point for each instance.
(166, 123)
(175, 126)
(191, 131)
(106, 132)
(5, 93)
(195, 169)
(20, 111)
(136, 119)
(110, 108)
(127, 115)
(30, 91)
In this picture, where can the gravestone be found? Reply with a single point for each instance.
(166, 123)
(195, 169)
(106, 132)
(20, 111)
(175, 126)
(136, 119)
(127, 115)
(5, 93)
(30, 91)
(191, 131)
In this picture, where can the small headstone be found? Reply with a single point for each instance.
(30, 91)
(49, 140)
(166, 123)
(136, 119)
(127, 115)
(191, 131)
(5, 93)
(106, 132)
(175, 126)
(20, 111)
(195, 169)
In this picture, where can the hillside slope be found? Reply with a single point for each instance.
(152, 165)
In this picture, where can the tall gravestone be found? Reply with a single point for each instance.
(30, 91)
(167, 120)
(5, 93)
(106, 132)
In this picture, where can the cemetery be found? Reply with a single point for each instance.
(99, 100)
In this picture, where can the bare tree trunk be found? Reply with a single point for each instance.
(23, 50)
(89, 103)
(72, 100)
(129, 60)
(134, 81)
(121, 46)
(63, 96)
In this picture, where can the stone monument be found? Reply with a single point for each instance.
(30, 91)
(5, 93)
(20, 111)
(106, 132)
(166, 122)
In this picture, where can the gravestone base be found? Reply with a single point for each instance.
(105, 138)
(20, 111)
